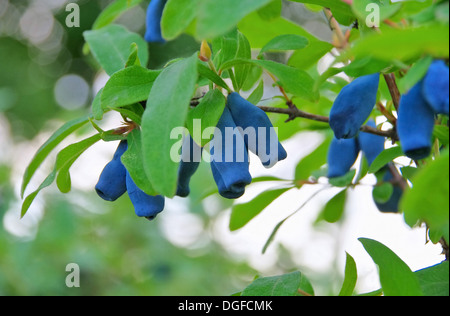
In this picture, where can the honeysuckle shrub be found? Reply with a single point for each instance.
(383, 96)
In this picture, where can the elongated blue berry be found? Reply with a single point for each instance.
(436, 87)
(190, 160)
(415, 124)
(342, 155)
(353, 106)
(259, 134)
(112, 184)
(370, 144)
(391, 205)
(229, 158)
(153, 22)
(144, 205)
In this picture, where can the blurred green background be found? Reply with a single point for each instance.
(46, 80)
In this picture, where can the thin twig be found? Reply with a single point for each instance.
(295, 112)
(386, 113)
(336, 28)
(393, 89)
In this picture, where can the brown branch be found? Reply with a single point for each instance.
(386, 113)
(334, 25)
(295, 112)
(393, 89)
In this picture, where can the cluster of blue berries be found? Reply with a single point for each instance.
(230, 174)
(416, 119)
(418, 110)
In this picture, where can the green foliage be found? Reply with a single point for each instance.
(396, 277)
(419, 205)
(291, 284)
(111, 47)
(159, 88)
(167, 108)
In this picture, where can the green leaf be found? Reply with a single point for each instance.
(344, 180)
(133, 112)
(217, 18)
(285, 42)
(208, 112)
(206, 72)
(351, 276)
(385, 157)
(241, 214)
(257, 93)
(225, 47)
(67, 157)
(295, 81)
(252, 25)
(133, 58)
(341, 11)
(57, 137)
(273, 234)
(403, 44)
(415, 74)
(243, 51)
(272, 10)
(408, 172)
(334, 209)
(434, 280)
(419, 204)
(113, 11)
(128, 86)
(177, 16)
(110, 46)
(441, 132)
(64, 161)
(282, 285)
(132, 159)
(383, 192)
(309, 56)
(167, 109)
(365, 65)
(387, 9)
(96, 108)
(396, 277)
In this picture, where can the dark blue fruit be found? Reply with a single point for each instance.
(353, 106)
(255, 125)
(415, 124)
(153, 22)
(190, 161)
(144, 205)
(112, 184)
(371, 145)
(342, 155)
(436, 87)
(229, 158)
